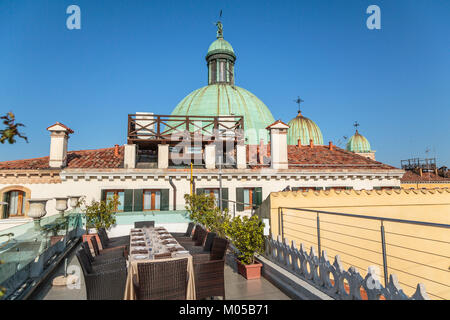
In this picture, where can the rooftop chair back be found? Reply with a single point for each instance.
(95, 246)
(87, 250)
(144, 224)
(201, 237)
(84, 261)
(165, 280)
(219, 248)
(189, 229)
(209, 241)
(103, 237)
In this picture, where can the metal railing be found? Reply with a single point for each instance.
(292, 223)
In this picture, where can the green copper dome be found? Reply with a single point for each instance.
(358, 143)
(224, 99)
(304, 129)
(220, 46)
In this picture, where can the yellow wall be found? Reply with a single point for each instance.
(420, 185)
(358, 241)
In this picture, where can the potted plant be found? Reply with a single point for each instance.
(99, 214)
(247, 235)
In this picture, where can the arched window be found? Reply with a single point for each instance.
(15, 206)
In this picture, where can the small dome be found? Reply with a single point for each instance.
(304, 129)
(358, 143)
(220, 46)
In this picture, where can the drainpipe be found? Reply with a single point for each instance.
(174, 193)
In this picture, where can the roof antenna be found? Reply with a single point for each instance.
(299, 101)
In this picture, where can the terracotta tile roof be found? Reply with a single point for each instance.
(411, 176)
(98, 158)
(320, 157)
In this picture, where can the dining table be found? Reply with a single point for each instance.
(150, 244)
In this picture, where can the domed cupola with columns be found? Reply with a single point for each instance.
(222, 97)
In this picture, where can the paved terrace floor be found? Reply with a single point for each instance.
(236, 286)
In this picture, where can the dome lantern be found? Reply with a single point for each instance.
(220, 59)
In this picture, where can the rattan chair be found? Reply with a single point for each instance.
(107, 253)
(165, 280)
(144, 224)
(191, 237)
(187, 234)
(197, 240)
(122, 244)
(114, 241)
(103, 282)
(206, 248)
(99, 259)
(209, 271)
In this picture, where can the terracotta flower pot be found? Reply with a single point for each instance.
(249, 271)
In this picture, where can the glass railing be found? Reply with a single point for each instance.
(27, 250)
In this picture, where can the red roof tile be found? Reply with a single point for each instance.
(321, 157)
(411, 176)
(98, 158)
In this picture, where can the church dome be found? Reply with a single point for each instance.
(222, 98)
(304, 129)
(358, 143)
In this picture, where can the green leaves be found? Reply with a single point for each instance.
(247, 234)
(11, 130)
(101, 214)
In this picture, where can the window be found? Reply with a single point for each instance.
(151, 200)
(248, 197)
(16, 203)
(304, 189)
(213, 192)
(120, 193)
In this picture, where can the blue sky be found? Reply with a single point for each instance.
(139, 55)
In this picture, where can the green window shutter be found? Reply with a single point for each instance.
(5, 214)
(103, 195)
(200, 190)
(257, 200)
(164, 199)
(348, 188)
(224, 197)
(128, 205)
(320, 188)
(239, 199)
(138, 200)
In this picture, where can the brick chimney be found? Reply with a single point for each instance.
(59, 136)
(116, 150)
(330, 145)
(311, 143)
(299, 143)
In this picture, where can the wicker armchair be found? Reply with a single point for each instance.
(107, 253)
(206, 248)
(209, 271)
(186, 234)
(165, 280)
(103, 282)
(144, 224)
(98, 259)
(191, 237)
(122, 243)
(115, 241)
(198, 241)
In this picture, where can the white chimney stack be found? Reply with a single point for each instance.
(278, 145)
(58, 145)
